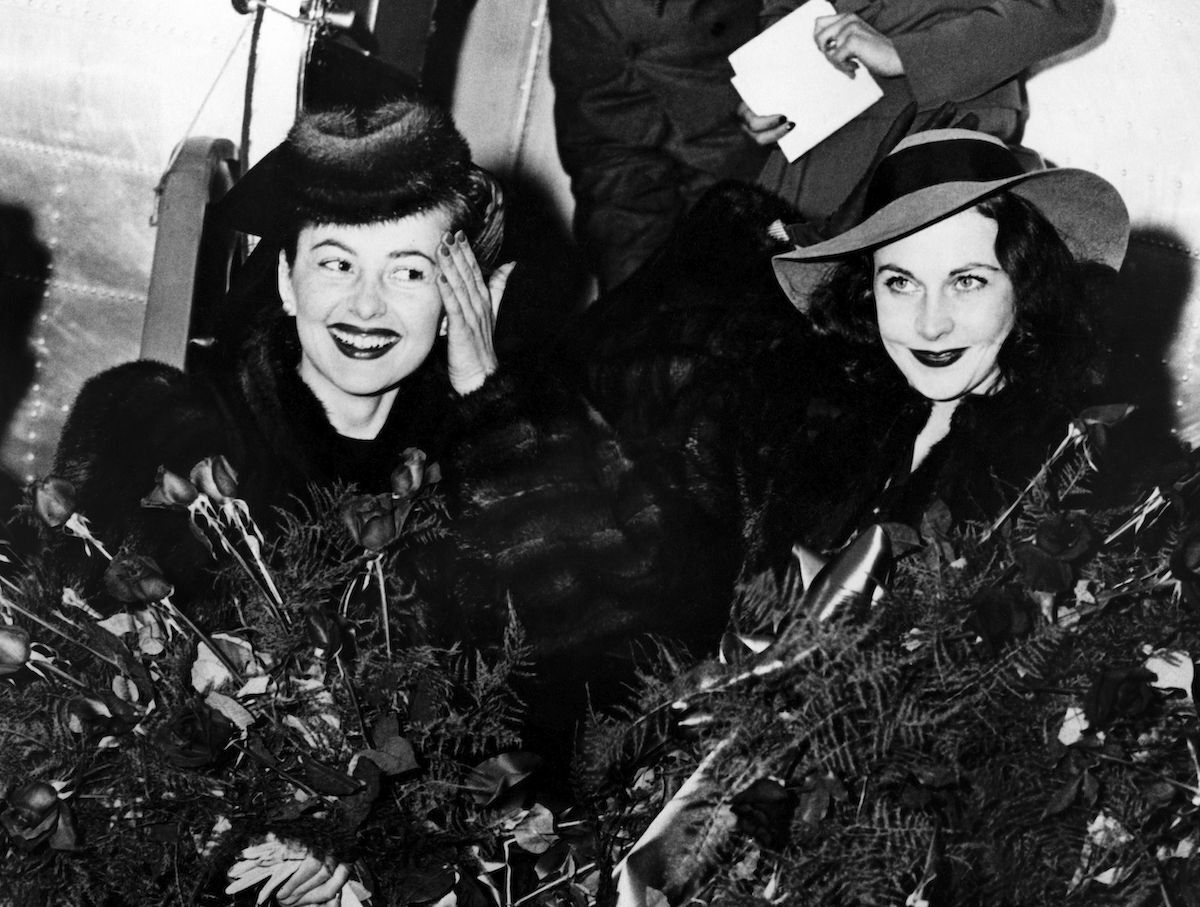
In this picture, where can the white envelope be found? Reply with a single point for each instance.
(781, 70)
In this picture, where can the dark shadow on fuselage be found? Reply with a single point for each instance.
(1143, 314)
(24, 275)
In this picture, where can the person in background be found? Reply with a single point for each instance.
(644, 117)
(971, 53)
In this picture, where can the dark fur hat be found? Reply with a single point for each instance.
(358, 167)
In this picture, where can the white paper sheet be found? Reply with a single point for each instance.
(781, 70)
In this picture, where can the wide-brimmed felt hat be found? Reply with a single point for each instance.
(359, 167)
(934, 174)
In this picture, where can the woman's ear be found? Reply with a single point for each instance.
(286, 292)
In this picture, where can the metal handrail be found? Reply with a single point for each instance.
(202, 171)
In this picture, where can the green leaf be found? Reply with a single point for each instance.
(1091, 789)
(535, 832)
(396, 758)
(493, 778)
(357, 806)
(424, 886)
(231, 709)
(1063, 797)
(386, 727)
(328, 780)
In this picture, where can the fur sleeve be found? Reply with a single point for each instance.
(554, 512)
(125, 423)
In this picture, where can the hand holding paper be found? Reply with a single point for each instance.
(782, 71)
(847, 41)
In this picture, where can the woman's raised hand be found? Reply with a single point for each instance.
(471, 306)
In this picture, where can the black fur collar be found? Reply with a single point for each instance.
(850, 467)
(297, 446)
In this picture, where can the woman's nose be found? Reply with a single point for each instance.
(368, 302)
(934, 320)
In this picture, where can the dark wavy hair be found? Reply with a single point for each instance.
(1053, 347)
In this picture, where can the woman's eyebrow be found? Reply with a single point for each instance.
(405, 253)
(976, 265)
(896, 268)
(331, 242)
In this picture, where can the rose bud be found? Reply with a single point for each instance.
(215, 478)
(764, 811)
(170, 490)
(324, 629)
(374, 521)
(196, 737)
(410, 474)
(1174, 479)
(999, 616)
(103, 714)
(32, 815)
(135, 579)
(53, 500)
(1185, 566)
(1042, 571)
(14, 649)
(1118, 693)
(1065, 536)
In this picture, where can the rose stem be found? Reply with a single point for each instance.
(216, 650)
(282, 773)
(53, 629)
(362, 724)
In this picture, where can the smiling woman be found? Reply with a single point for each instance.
(965, 280)
(945, 306)
(385, 238)
(366, 303)
(382, 225)
(944, 343)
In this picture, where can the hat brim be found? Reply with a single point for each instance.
(1085, 209)
(254, 204)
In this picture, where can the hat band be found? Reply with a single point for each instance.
(950, 161)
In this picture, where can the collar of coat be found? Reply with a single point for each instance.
(848, 465)
(293, 426)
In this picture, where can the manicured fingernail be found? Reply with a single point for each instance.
(780, 120)
(444, 249)
(460, 236)
(791, 126)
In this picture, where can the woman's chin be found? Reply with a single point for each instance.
(945, 385)
(356, 378)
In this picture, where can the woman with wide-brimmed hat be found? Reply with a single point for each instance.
(944, 343)
(960, 313)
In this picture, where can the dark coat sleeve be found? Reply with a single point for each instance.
(974, 50)
(611, 492)
(552, 511)
(677, 361)
(956, 50)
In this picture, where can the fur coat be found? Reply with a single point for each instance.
(547, 509)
